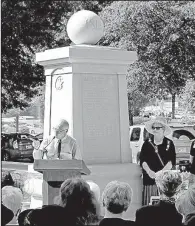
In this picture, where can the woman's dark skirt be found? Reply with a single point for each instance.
(191, 179)
(148, 191)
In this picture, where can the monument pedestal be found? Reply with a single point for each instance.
(54, 174)
(86, 85)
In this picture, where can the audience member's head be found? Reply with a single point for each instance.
(168, 183)
(6, 179)
(12, 198)
(50, 215)
(116, 198)
(95, 189)
(79, 201)
(185, 204)
(6, 216)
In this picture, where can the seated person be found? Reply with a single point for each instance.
(7, 215)
(51, 215)
(59, 145)
(164, 212)
(185, 205)
(12, 198)
(79, 202)
(116, 199)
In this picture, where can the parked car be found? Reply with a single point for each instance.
(33, 130)
(182, 136)
(16, 146)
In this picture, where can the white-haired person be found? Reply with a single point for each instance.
(59, 145)
(157, 153)
(163, 213)
(116, 200)
(12, 198)
(185, 205)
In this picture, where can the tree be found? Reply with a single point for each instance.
(136, 99)
(187, 96)
(163, 35)
(35, 107)
(28, 27)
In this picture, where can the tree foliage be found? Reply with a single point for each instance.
(28, 27)
(187, 96)
(163, 34)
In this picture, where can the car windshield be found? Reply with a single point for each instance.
(135, 134)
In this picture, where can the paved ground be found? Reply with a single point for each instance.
(100, 174)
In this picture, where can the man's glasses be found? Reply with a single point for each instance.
(156, 127)
(64, 130)
(60, 131)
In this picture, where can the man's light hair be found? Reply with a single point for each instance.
(168, 182)
(117, 196)
(61, 124)
(95, 189)
(12, 198)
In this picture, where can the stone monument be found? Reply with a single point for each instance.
(86, 85)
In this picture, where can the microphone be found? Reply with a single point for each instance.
(45, 150)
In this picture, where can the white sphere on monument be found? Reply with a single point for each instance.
(85, 27)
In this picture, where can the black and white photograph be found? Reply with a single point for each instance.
(97, 113)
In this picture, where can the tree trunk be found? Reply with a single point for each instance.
(17, 123)
(173, 105)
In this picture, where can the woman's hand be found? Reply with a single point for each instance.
(150, 172)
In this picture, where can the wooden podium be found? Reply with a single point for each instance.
(54, 174)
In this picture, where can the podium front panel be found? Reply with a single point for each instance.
(51, 188)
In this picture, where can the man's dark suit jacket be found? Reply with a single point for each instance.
(160, 214)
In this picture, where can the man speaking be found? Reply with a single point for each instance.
(59, 145)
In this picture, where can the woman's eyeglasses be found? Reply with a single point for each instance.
(156, 127)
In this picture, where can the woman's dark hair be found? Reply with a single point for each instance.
(79, 201)
(6, 179)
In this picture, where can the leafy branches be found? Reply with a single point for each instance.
(163, 34)
(28, 27)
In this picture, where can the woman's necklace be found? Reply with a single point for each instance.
(167, 199)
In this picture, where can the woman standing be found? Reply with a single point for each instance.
(157, 153)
